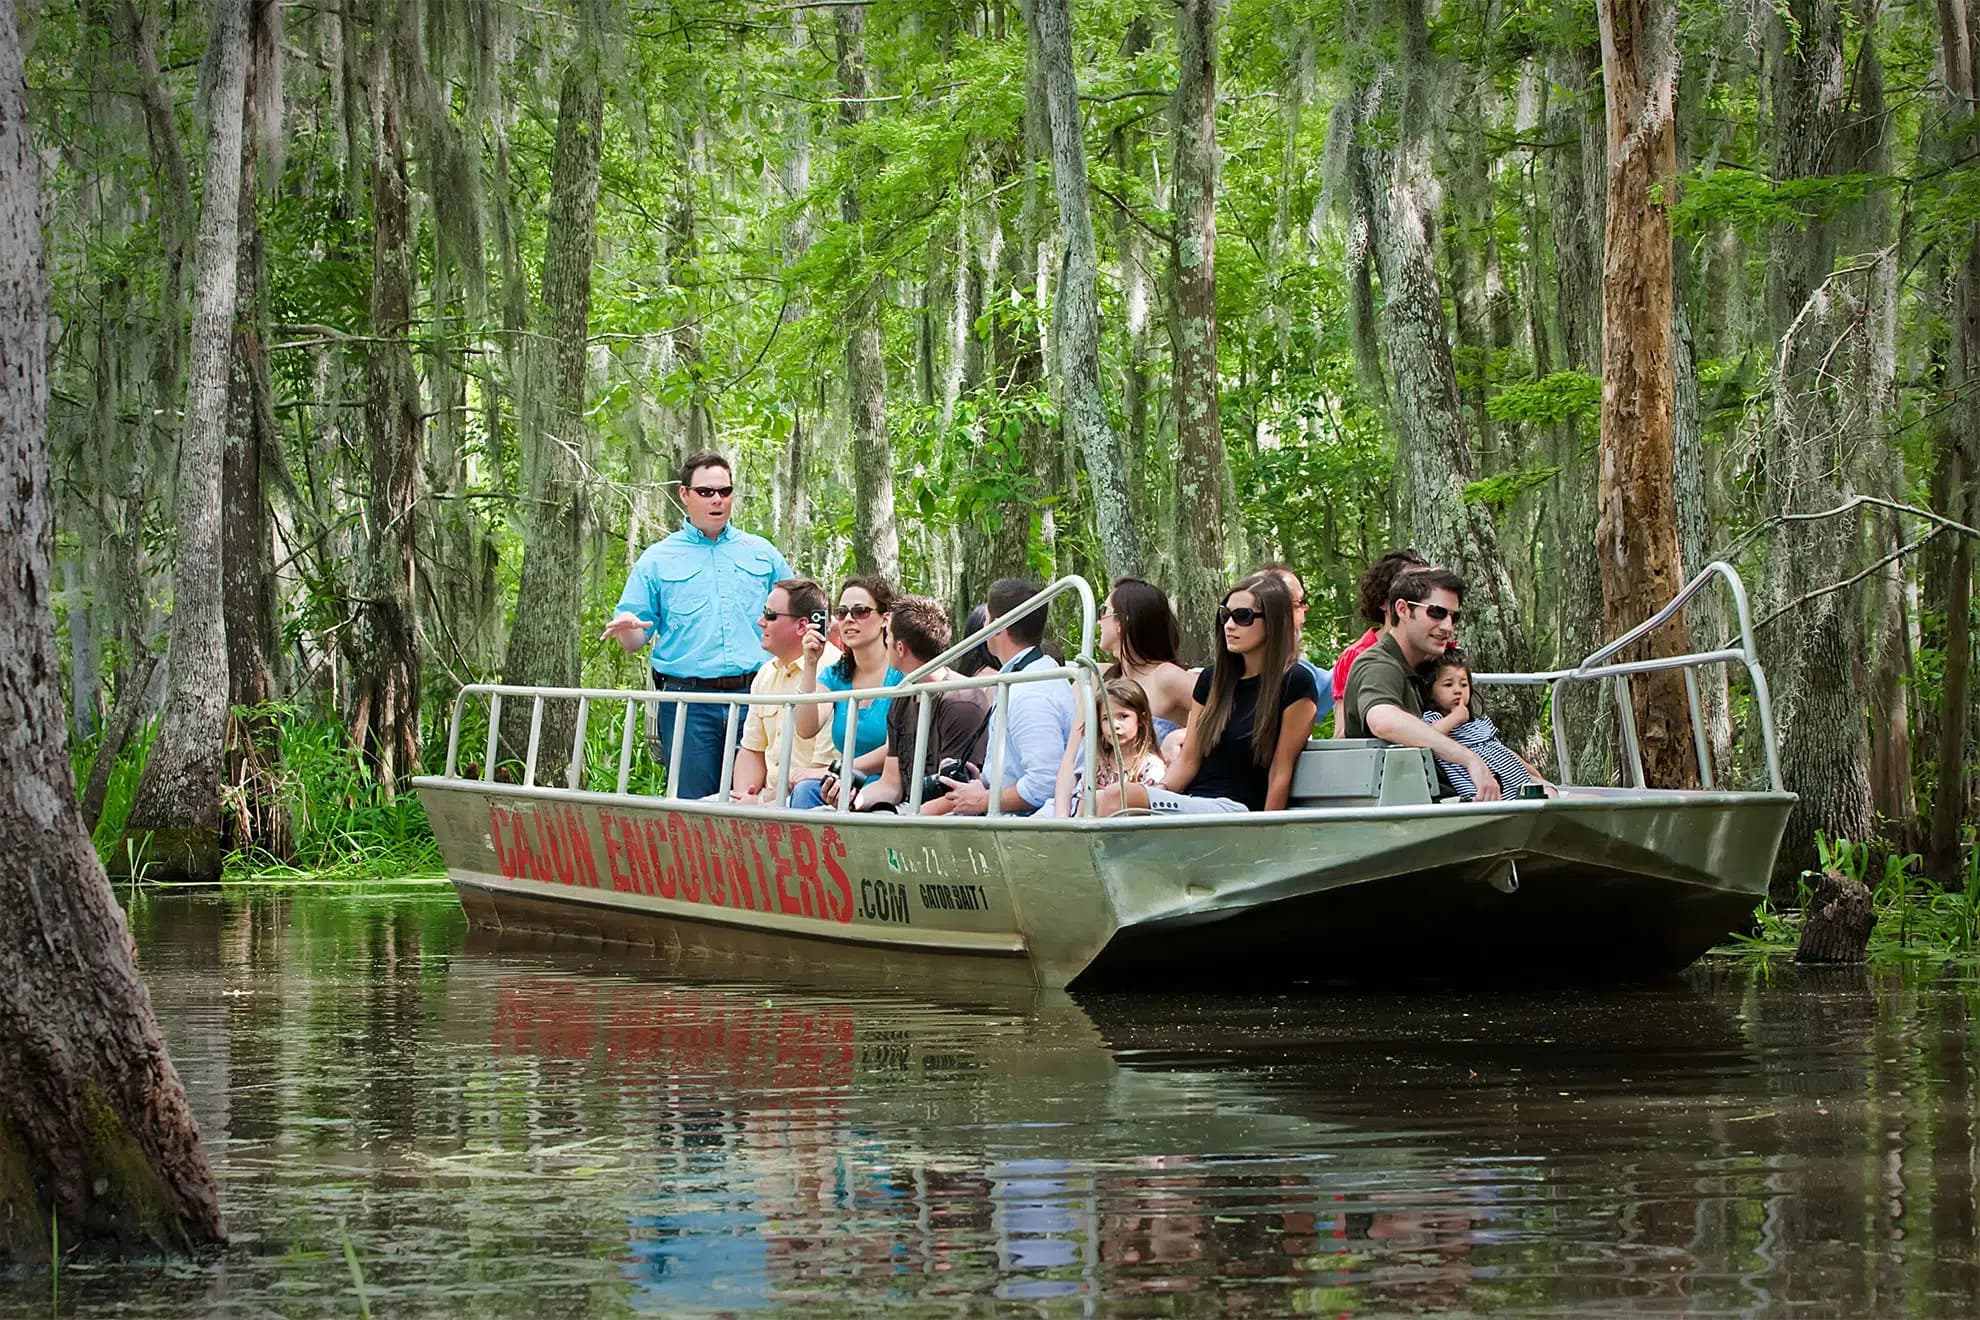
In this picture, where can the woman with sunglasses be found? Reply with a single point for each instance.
(864, 606)
(1251, 714)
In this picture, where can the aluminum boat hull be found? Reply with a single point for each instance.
(1601, 885)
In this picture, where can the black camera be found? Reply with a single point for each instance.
(954, 768)
(821, 621)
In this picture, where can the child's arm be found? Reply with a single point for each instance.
(1450, 723)
(1538, 778)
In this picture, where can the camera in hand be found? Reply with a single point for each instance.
(820, 620)
(954, 768)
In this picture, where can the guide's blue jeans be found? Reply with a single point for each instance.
(700, 771)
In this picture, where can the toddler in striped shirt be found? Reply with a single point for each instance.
(1450, 693)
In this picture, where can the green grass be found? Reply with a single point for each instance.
(348, 830)
(1918, 918)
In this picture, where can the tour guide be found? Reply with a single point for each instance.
(699, 595)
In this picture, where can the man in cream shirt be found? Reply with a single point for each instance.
(787, 615)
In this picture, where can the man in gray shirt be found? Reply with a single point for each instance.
(1386, 694)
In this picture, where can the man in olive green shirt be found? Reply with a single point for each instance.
(1386, 693)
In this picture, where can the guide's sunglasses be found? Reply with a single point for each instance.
(1243, 616)
(713, 492)
(853, 611)
(1438, 613)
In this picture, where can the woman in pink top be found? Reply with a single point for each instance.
(1374, 590)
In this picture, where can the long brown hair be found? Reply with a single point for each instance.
(1279, 652)
(1127, 692)
(882, 592)
(1144, 625)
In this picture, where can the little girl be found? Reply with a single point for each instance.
(1450, 693)
(1129, 752)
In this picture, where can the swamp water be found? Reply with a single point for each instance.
(413, 1119)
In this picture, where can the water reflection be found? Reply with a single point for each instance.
(498, 1126)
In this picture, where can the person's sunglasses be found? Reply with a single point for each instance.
(1438, 613)
(713, 492)
(1243, 616)
(853, 611)
(780, 614)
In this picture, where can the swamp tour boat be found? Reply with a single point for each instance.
(1365, 876)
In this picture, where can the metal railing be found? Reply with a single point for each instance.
(1079, 669)
(1596, 668)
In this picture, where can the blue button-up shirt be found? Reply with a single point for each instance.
(706, 598)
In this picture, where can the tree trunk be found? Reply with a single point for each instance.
(1434, 454)
(174, 822)
(97, 1143)
(1076, 308)
(257, 818)
(876, 540)
(1959, 461)
(1637, 528)
(543, 646)
(383, 640)
(1816, 666)
(1200, 517)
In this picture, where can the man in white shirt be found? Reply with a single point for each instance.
(1038, 719)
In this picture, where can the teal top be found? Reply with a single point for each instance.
(704, 600)
(872, 726)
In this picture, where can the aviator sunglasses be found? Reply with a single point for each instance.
(1437, 613)
(1243, 616)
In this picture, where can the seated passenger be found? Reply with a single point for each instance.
(861, 618)
(1138, 628)
(1453, 715)
(1373, 590)
(1128, 750)
(958, 725)
(1388, 690)
(977, 660)
(1323, 679)
(1037, 716)
(1253, 710)
(788, 623)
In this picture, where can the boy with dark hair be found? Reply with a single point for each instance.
(1038, 717)
(918, 631)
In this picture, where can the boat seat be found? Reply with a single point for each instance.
(1362, 772)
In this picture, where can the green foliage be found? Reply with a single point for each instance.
(347, 827)
(1750, 204)
(1562, 396)
(1500, 489)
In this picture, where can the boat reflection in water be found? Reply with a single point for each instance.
(1033, 1146)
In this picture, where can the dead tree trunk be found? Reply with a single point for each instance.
(96, 1139)
(1637, 528)
(174, 823)
(876, 539)
(1200, 517)
(1076, 307)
